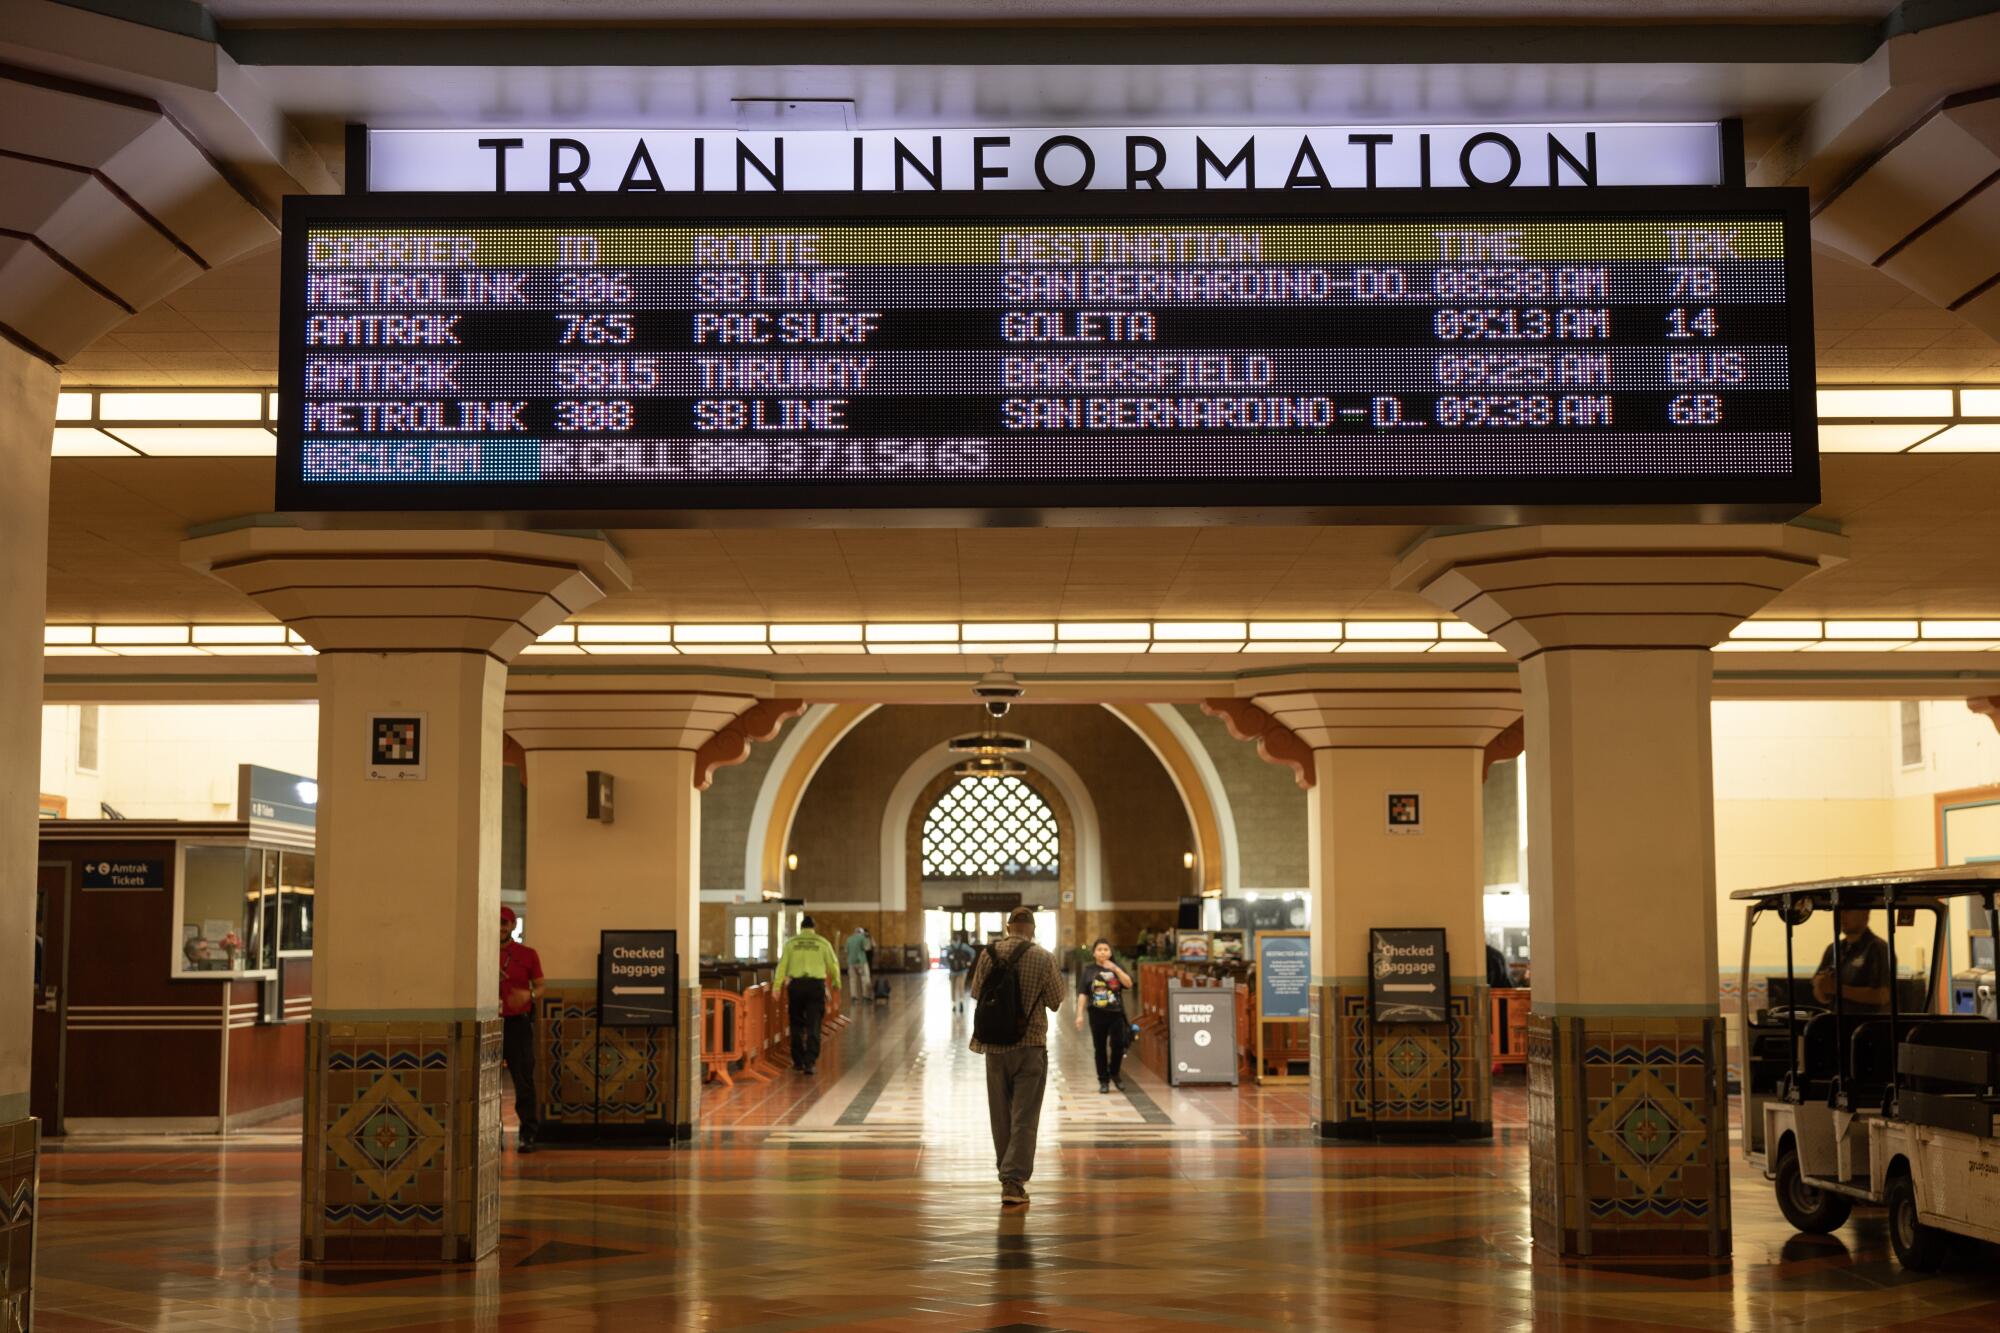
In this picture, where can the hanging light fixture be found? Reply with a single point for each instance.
(991, 766)
(989, 754)
(989, 742)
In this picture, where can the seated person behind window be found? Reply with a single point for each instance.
(1864, 968)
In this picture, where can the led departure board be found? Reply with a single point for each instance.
(1494, 354)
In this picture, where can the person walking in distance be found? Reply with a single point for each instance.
(958, 958)
(1101, 995)
(520, 970)
(1016, 985)
(806, 968)
(860, 976)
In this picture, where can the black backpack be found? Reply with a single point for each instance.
(1001, 1019)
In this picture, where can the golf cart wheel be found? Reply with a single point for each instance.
(1920, 1248)
(1812, 1210)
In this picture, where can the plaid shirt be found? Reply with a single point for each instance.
(1041, 988)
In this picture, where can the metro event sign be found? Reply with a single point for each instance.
(1455, 351)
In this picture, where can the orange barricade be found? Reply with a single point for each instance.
(1509, 1028)
(754, 1030)
(756, 1036)
(721, 1032)
(777, 1054)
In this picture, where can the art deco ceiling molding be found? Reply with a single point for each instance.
(1926, 211)
(106, 206)
(731, 745)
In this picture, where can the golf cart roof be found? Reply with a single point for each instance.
(1856, 890)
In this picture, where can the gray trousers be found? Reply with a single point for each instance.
(1015, 1081)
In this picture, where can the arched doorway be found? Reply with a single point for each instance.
(992, 835)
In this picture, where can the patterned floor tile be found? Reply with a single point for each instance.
(1220, 1213)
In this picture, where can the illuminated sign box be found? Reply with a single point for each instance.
(1079, 157)
(1471, 354)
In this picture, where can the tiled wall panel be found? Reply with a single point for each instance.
(1628, 1135)
(402, 1141)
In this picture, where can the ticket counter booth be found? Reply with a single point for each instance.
(173, 974)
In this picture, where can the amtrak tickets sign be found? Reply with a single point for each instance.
(641, 161)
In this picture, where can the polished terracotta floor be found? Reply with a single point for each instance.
(865, 1199)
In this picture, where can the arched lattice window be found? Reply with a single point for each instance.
(987, 828)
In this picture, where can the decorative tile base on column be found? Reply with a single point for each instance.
(20, 1145)
(402, 1141)
(1628, 1136)
(690, 1091)
(609, 1084)
(1420, 1079)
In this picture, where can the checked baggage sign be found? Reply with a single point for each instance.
(638, 978)
(1409, 980)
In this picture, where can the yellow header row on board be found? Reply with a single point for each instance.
(1429, 240)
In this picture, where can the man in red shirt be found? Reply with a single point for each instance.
(520, 969)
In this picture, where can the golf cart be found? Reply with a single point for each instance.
(1864, 1091)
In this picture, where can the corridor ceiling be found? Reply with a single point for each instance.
(1824, 87)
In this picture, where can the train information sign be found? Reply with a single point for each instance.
(1488, 353)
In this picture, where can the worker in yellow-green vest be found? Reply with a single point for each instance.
(806, 968)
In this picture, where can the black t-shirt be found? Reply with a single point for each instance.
(1100, 989)
(1864, 962)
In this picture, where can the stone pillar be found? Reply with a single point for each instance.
(27, 420)
(413, 630)
(1612, 626)
(1373, 737)
(641, 871)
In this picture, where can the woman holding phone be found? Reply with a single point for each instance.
(1101, 995)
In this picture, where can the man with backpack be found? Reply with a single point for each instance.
(1016, 985)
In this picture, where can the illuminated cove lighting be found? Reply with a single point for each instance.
(228, 422)
(1122, 640)
(166, 423)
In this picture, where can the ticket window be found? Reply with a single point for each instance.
(240, 908)
(298, 888)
